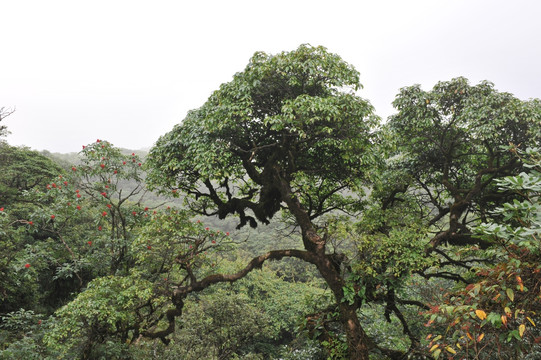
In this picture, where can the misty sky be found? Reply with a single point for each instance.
(127, 71)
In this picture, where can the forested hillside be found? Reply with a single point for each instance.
(283, 219)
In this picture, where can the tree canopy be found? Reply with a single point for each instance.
(452, 143)
(290, 117)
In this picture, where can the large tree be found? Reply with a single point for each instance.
(287, 133)
(451, 144)
(447, 150)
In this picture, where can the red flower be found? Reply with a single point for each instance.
(123, 163)
(139, 164)
(104, 193)
(132, 154)
(109, 206)
(30, 223)
(66, 183)
(74, 168)
(115, 172)
(149, 247)
(191, 246)
(84, 147)
(39, 322)
(53, 185)
(78, 207)
(77, 191)
(99, 228)
(89, 242)
(98, 140)
(227, 234)
(198, 221)
(102, 166)
(69, 204)
(27, 265)
(1, 209)
(107, 186)
(52, 216)
(214, 241)
(134, 213)
(207, 228)
(133, 160)
(104, 213)
(146, 209)
(78, 195)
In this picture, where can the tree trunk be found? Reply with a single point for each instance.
(357, 341)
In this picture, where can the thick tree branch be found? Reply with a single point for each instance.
(180, 293)
(445, 275)
(255, 263)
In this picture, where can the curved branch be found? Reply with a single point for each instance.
(255, 263)
(445, 275)
(413, 302)
(171, 314)
(180, 293)
(452, 238)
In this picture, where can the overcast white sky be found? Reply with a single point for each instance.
(127, 71)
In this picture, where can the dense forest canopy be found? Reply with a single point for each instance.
(411, 238)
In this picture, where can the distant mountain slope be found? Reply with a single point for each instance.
(66, 160)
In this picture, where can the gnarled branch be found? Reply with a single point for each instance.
(180, 293)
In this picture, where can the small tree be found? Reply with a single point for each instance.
(91, 212)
